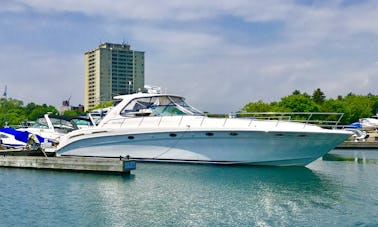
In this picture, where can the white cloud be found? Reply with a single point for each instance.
(191, 50)
(11, 6)
(42, 77)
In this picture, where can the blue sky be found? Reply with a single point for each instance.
(220, 55)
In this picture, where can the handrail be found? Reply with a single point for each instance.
(322, 119)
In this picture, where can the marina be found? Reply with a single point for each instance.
(285, 134)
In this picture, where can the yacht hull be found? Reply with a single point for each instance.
(230, 147)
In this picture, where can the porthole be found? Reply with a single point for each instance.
(209, 134)
(279, 134)
(172, 135)
(233, 134)
(302, 135)
(130, 137)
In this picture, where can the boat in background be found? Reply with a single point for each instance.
(12, 138)
(9, 141)
(366, 124)
(358, 135)
(369, 124)
(53, 127)
(98, 114)
(164, 128)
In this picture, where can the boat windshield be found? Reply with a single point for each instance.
(63, 124)
(40, 123)
(159, 106)
(57, 123)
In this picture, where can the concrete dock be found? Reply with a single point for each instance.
(88, 164)
(371, 142)
(358, 145)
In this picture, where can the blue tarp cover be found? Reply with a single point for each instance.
(19, 135)
(354, 125)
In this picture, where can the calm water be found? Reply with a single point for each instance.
(333, 193)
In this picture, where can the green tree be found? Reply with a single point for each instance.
(374, 104)
(337, 106)
(14, 111)
(353, 106)
(360, 106)
(318, 96)
(11, 112)
(296, 92)
(39, 111)
(30, 107)
(103, 105)
(259, 106)
(71, 113)
(298, 103)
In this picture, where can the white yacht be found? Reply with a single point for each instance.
(52, 127)
(164, 128)
(9, 141)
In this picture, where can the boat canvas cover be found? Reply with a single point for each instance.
(354, 125)
(20, 135)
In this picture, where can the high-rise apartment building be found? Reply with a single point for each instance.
(110, 70)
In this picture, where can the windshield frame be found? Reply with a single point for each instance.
(163, 105)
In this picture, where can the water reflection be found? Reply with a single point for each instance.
(362, 156)
(179, 194)
(199, 194)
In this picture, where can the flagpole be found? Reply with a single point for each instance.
(5, 106)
